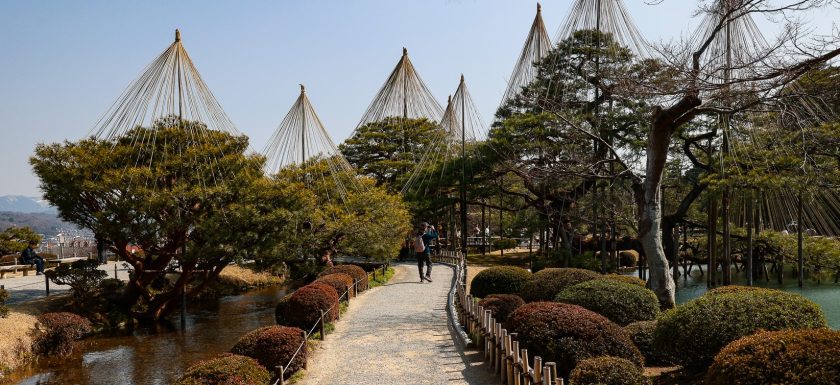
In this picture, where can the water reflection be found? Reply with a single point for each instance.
(158, 356)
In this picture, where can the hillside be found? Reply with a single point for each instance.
(43, 223)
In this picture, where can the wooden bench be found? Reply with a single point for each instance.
(15, 268)
(59, 261)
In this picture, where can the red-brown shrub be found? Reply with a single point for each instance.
(545, 284)
(341, 282)
(227, 369)
(58, 331)
(501, 305)
(781, 357)
(272, 346)
(567, 334)
(303, 307)
(354, 271)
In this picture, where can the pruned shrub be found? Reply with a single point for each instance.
(272, 346)
(693, 333)
(546, 284)
(303, 307)
(567, 334)
(227, 369)
(621, 302)
(57, 332)
(341, 282)
(83, 277)
(606, 371)
(628, 258)
(641, 333)
(625, 278)
(354, 271)
(4, 296)
(782, 357)
(734, 289)
(499, 280)
(501, 305)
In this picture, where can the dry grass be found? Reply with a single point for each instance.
(243, 278)
(15, 341)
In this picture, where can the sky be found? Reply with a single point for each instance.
(63, 63)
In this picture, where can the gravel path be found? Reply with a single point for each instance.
(397, 334)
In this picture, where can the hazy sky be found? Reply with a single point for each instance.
(63, 63)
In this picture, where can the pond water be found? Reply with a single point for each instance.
(159, 356)
(825, 294)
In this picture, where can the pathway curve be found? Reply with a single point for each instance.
(397, 334)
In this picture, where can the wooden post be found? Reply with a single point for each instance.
(322, 325)
(278, 371)
(799, 240)
(538, 370)
(514, 351)
(552, 372)
(750, 223)
(525, 363)
(47, 284)
(115, 272)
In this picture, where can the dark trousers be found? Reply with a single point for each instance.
(38, 262)
(427, 259)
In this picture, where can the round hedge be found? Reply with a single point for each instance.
(341, 282)
(567, 334)
(498, 280)
(782, 357)
(628, 258)
(621, 302)
(303, 307)
(227, 369)
(57, 332)
(272, 346)
(625, 278)
(606, 371)
(354, 271)
(734, 289)
(501, 305)
(693, 333)
(546, 284)
(641, 333)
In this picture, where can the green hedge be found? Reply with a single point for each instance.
(625, 278)
(642, 335)
(693, 333)
(227, 369)
(501, 305)
(783, 357)
(566, 334)
(621, 302)
(606, 371)
(547, 283)
(272, 346)
(498, 280)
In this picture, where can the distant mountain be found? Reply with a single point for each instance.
(22, 204)
(43, 223)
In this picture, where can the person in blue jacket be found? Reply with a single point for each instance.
(29, 257)
(425, 234)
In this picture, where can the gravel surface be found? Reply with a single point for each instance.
(398, 334)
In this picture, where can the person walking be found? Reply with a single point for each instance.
(425, 235)
(29, 257)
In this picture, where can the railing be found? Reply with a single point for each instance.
(321, 323)
(508, 359)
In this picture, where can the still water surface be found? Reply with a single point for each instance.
(825, 294)
(158, 357)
